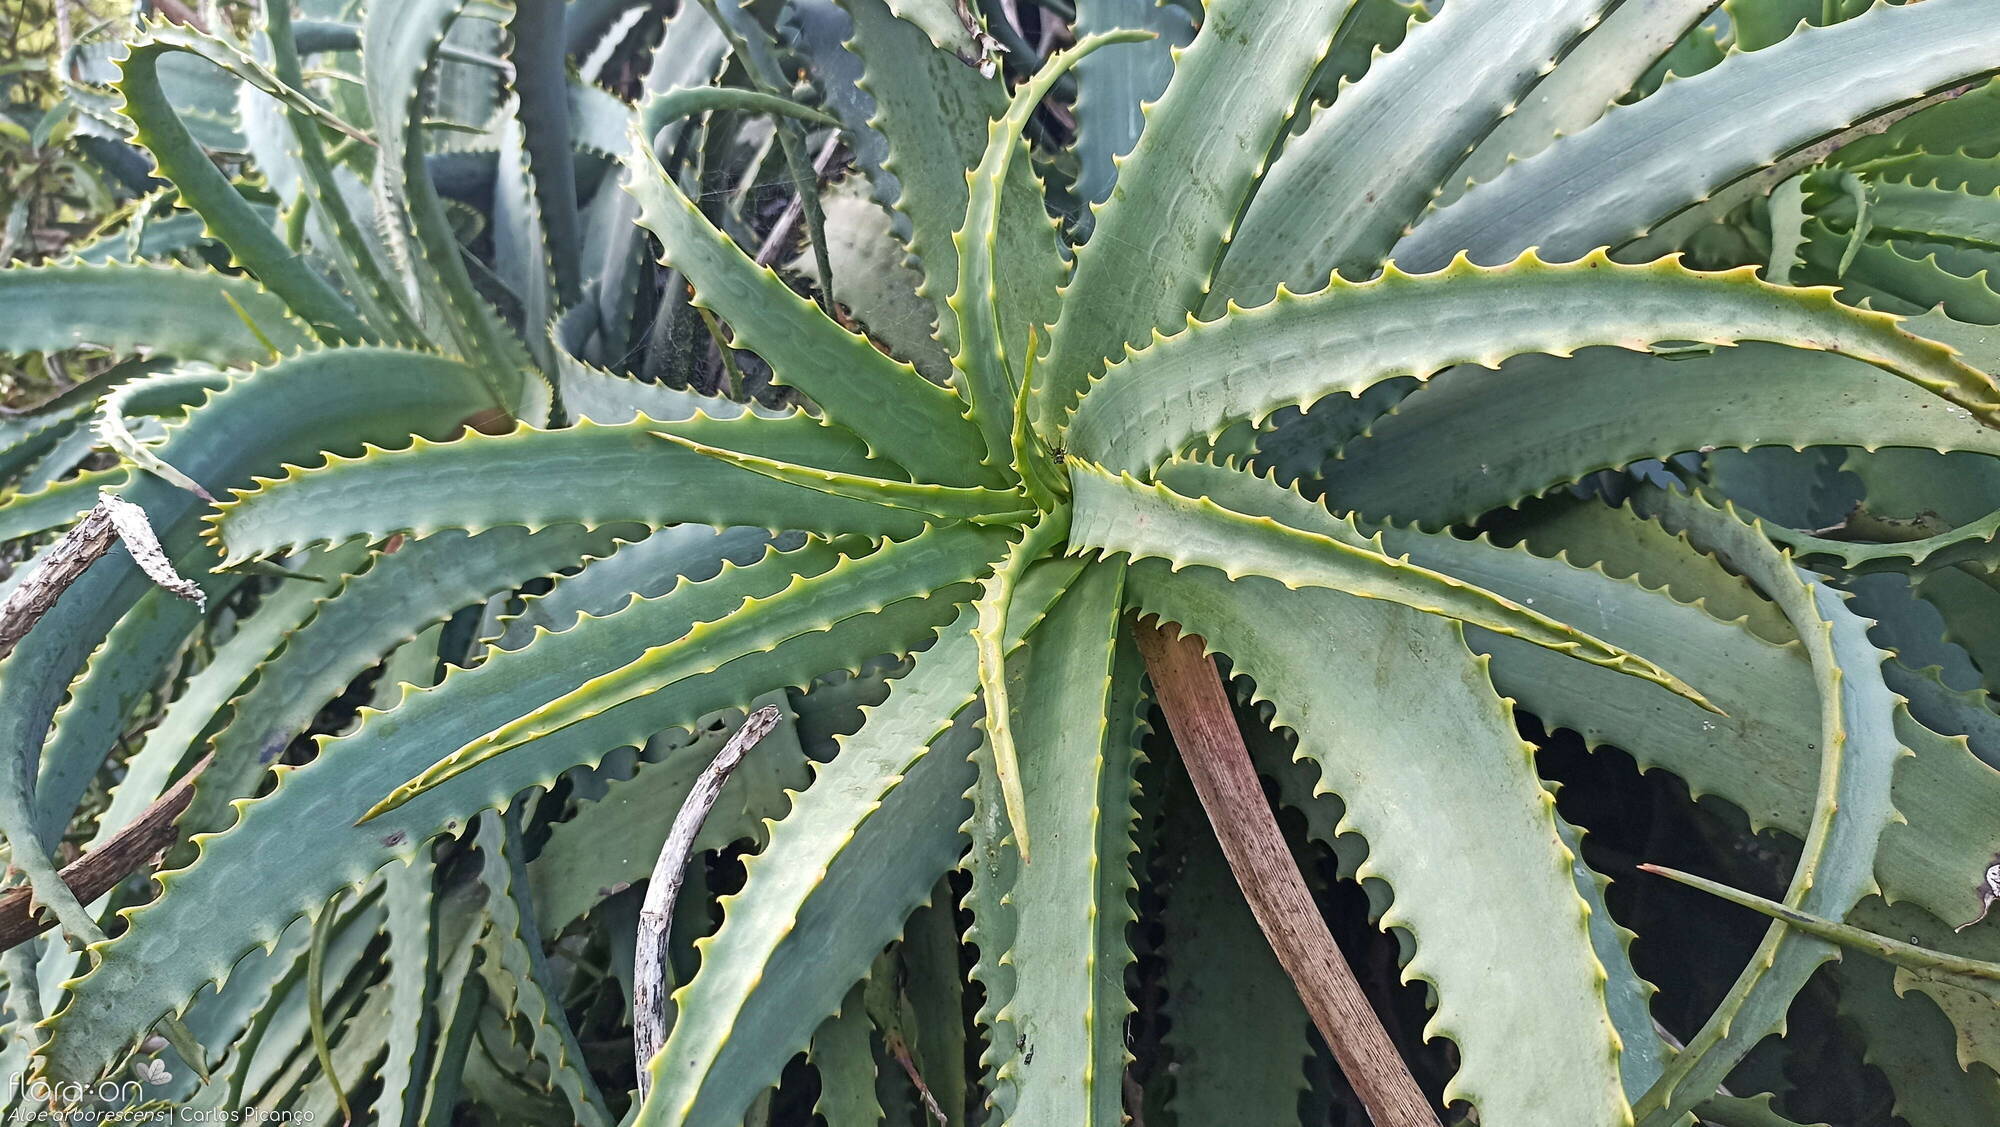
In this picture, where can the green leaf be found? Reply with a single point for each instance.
(845, 1061)
(1456, 822)
(612, 843)
(932, 112)
(990, 630)
(1903, 1036)
(203, 187)
(305, 826)
(1974, 981)
(690, 53)
(1599, 71)
(1763, 756)
(1587, 533)
(1381, 151)
(1859, 747)
(856, 588)
(988, 381)
(169, 746)
(409, 898)
(974, 503)
(940, 24)
(1627, 997)
(863, 845)
(933, 981)
(1970, 1046)
(363, 391)
(1159, 237)
(103, 700)
(25, 514)
(1237, 1032)
(1279, 535)
(296, 162)
(399, 48)
(1444, 454)
(1890, 277)
(541, 106)
(648, 568)
(1928, 211)
(1642, 163)
(1346, 338)
(537, 478)
(883, 400)
(877, 284)
(517, 969)
(1051, 932)
(168, 310)
(358, 620)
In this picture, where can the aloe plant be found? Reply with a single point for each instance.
(1436, 368)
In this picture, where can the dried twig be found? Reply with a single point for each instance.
(649, 969)
(110, 520)
(1204, 727)
(99, 871)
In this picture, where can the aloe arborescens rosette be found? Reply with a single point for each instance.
(1182, 419)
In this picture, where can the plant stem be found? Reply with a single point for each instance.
(100, 870)
(109, 521)
(1191, 693)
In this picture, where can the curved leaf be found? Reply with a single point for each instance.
(167, 310)
(1380, 152)
(1450, 450)
(990, 384)
(1349, 337)
(1642, 163)
(203, 187)
(883, 400)
(1859, 747)
(919, 568)
(577, 475)
(1051, 933)
(306, 826)
(1488, 885)
(1121, 515)
(863, 845)
(1158, 238)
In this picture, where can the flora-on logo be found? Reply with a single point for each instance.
(152, 1071)
(71, 1095)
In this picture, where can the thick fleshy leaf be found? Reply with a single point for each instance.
(1120, 515)
(203, 187)
(1113, 90)
(1501, 893)
(538, 478)
(989, 380)
(1158, 237)
(1642, 163)
(1859, 747)
(883, 400)
(1051, 931)
(931, 112)
(1379, 153)
(306, 825)
(1440, 456)
(167, 310)
(862, 846)
(918, 569)
(1346, 339)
